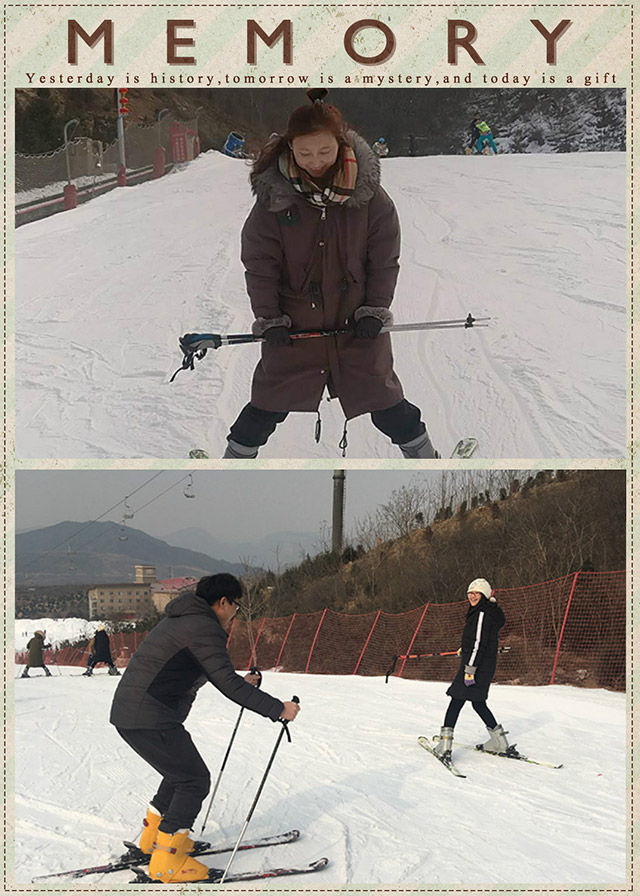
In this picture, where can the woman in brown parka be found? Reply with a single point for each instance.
(35, 659)
(320, 248)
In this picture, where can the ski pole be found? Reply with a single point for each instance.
(413, 656)
(285, 730)
(254, 671)
(195, 345)
(419, 656)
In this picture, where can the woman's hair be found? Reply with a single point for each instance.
(308, 119)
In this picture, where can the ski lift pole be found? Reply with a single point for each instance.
(254, 671)
(194, 346)
(285, 730)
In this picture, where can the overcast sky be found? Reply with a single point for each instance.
(233, 505)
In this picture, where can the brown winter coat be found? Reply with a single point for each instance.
(35, 648)
(316, 269)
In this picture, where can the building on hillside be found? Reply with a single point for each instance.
(135, 600)
(164, 591)
(146, 574)
(127, 600)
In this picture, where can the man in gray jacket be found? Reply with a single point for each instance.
(154, 697)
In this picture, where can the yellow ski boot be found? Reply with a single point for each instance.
(170, 861)
(149, 831)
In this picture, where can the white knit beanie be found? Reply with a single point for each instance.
(482, 587)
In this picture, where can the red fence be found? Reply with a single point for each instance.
(565, 631)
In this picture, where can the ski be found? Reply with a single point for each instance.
(135, 857)
(424, 742)
(511, 753)
(465, 448)
(216, 873)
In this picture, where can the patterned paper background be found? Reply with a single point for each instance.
(599, 42)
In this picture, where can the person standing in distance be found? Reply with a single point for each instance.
(478, 656)
(100, 652)
(35, 659)
(381, 148)
(153, 699)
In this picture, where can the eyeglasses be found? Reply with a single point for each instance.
(236, 602)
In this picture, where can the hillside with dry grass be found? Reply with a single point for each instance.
(548, 526)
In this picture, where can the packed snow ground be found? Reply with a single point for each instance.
(353, 780)
(536, 242)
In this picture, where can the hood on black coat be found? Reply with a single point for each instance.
(276, 193)
(188, 604)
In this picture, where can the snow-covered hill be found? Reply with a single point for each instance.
(353, 780)
(536, 242)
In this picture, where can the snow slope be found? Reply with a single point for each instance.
(354, 780)
(536, 242)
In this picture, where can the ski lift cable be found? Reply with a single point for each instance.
(175, 484)
(119, 525)
(86, 525)
(101, 534)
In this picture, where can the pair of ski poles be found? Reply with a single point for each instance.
(283, 731)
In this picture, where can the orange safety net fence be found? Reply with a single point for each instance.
(570, 630)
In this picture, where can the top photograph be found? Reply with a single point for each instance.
(320, 273)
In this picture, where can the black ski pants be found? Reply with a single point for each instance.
(185, 778)
(480, 706)
(92, 662)
(401, 423)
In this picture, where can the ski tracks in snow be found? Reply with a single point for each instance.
(104, 292)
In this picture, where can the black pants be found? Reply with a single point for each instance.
(401, 423)
(185, 778)
(92, 662)
(25, 674)
(480, 706)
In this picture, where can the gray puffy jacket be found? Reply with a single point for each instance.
(176, 658)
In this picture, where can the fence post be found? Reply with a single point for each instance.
(159, 161)
(564, 622)
(315, 638)
(255, 645)
(367, 642)
(415, 635)
(285, 641)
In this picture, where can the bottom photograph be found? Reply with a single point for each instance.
(339, 677)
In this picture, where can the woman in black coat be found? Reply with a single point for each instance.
(100, 652)
(478, 654)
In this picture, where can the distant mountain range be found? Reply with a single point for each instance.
(278, 549)
(88, 553)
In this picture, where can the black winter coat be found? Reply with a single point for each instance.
(479, 649)
(101, 651)
(176, 658)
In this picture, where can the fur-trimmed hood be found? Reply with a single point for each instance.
(277, 194)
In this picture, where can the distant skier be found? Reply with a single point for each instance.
(154, 698)
(381, 148)
(481, 135)
(320, 248)
(36, 647)
(478, 655)
(100, 652)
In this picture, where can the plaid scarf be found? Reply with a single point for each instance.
(338, 191)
